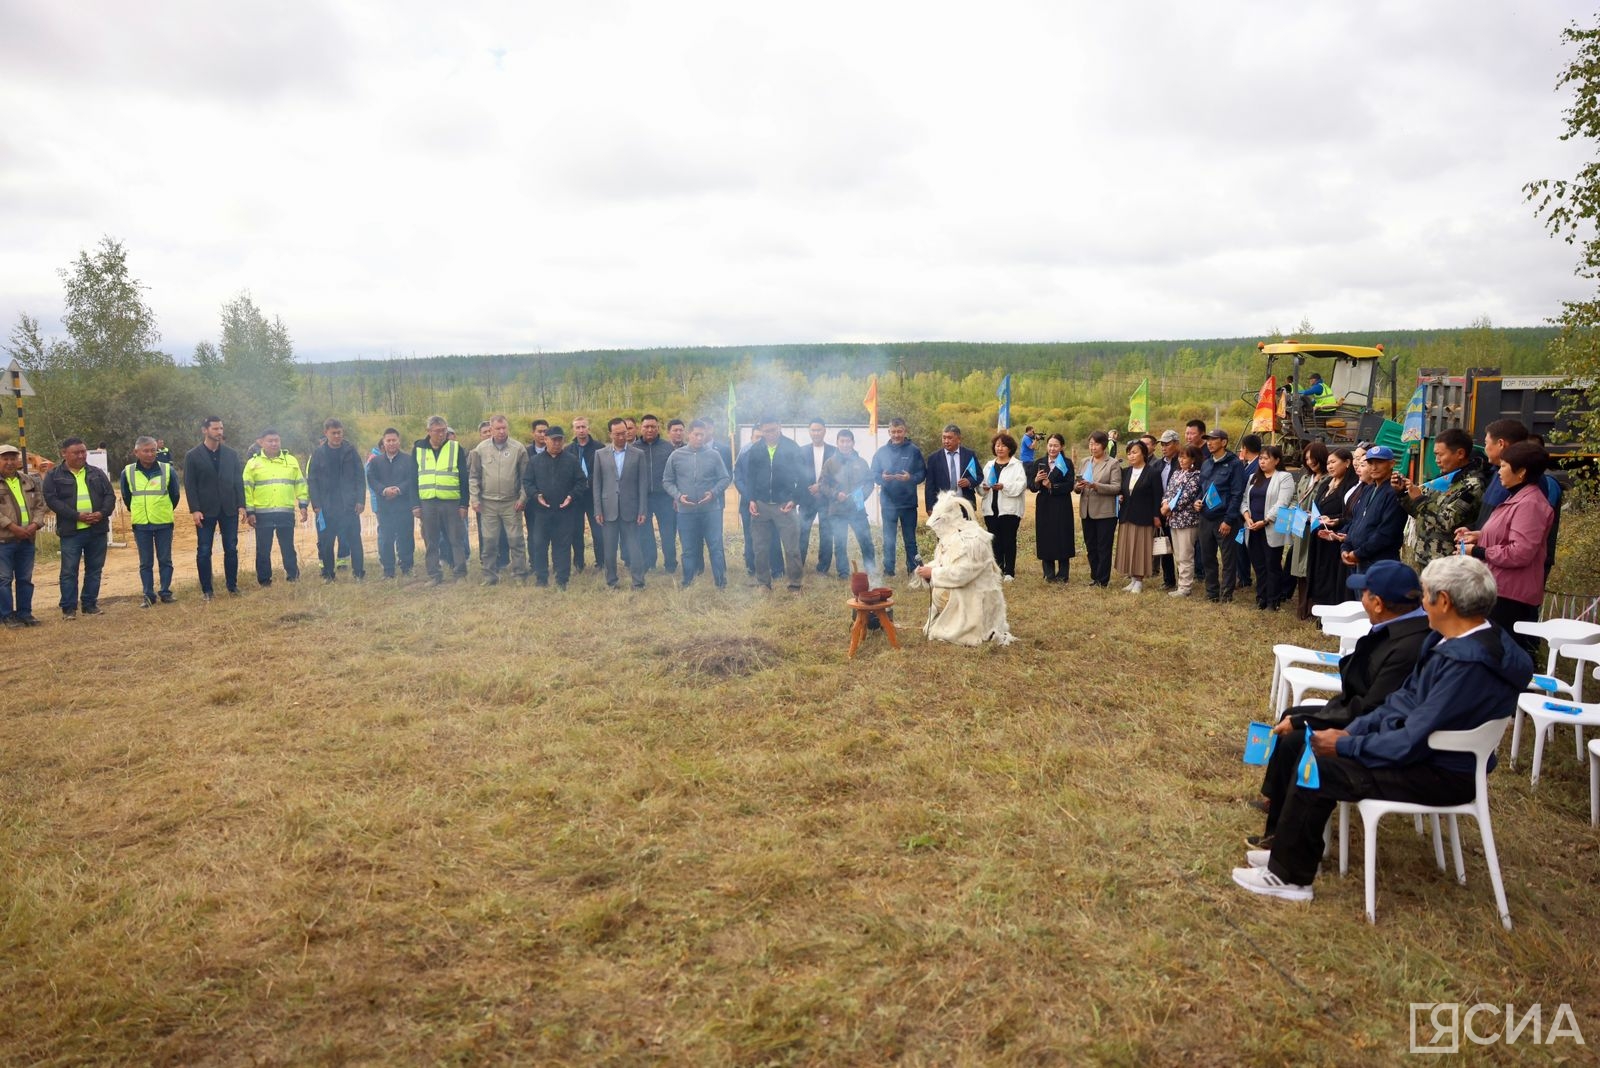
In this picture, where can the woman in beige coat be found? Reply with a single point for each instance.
(1099, 483)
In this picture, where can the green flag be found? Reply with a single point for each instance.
(1139, 409)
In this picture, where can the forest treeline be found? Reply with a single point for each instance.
(108, 379)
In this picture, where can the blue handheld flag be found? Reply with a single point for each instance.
(1308, 776)
(1061, 462)
(1259, 741)
(1213, 498)
(972, 469)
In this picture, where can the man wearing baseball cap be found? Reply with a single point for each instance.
(1468, 673)
(1382, 660)
(557, 492)
(22, 512)
(1220, 507)
(1375, 530)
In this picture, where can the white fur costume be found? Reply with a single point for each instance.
(968, 607)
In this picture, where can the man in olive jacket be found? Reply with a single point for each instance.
(83, 500)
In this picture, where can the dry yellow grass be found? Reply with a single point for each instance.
(370, 825)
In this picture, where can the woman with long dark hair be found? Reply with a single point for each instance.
(1312, 476)
(1055, 533)
(1325, 571)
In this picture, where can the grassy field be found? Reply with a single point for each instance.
(379, 825)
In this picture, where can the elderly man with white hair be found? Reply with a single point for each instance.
(1469, 672)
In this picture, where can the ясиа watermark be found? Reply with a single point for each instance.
(1440, 1027)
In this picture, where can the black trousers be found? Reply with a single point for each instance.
(1268, 563)
(1004, 529)
(1098, 537)
(1297, 847)
(1211, 543)
(1285, 759)
(552, 534)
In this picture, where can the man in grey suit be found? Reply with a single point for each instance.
(621, 502)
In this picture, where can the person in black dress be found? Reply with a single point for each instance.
(1055, 529)
(1325, 572)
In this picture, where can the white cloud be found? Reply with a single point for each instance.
(508, 177)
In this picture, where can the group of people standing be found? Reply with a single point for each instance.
(1186, 507)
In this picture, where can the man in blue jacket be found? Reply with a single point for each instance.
(1220, 506)
(898, 470)
(1470, 671)
(1376, 530)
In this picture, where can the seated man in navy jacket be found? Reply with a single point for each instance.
(1380, 663)
(1470, 672)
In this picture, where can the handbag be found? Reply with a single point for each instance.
(1162, 546)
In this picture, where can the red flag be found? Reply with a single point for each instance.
(1265, 419)
(870, 402)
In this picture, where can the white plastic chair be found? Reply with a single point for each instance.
(1284, 656)
(1561, 693)
(1481, 743)
(1558, 633)
(1563, 714)
(1339, 613)
(1348, 632)
(1296, 682)
(1594, 783)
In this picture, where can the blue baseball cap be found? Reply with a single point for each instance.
(1389, 580)
(1380, 452)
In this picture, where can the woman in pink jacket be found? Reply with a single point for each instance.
(1512, 542)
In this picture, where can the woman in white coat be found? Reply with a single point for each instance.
(1001, 495)
(1269, 491)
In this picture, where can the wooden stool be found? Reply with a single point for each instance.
(859, 611)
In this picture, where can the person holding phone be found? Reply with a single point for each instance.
(1002, 489)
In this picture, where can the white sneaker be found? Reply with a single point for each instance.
(1005, 578)
(1262, 881)
(1129, 586)
(1178, 593)
(1135, 586)
(1257, 858)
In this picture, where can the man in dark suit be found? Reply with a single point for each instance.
(213, 484)
(621, 502)
(1382, 660)
(954, 467)
(812, 506)
(775, 482)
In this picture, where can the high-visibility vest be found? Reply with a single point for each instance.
(273, 485)
(1324, 398)
(437, 476)
(151, 501)
(85, 502)
(19, 490)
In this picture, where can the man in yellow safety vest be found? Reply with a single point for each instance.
(151, 494)
(273, 489)
(83, 500)
(442, 496)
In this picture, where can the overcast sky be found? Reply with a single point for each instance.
(471, 177)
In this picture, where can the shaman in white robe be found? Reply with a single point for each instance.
(968, 605)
